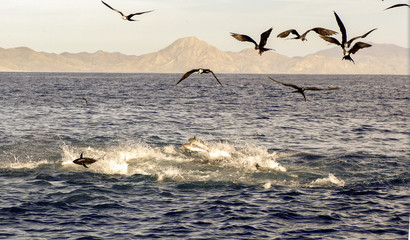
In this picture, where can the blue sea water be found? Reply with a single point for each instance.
(333, 167)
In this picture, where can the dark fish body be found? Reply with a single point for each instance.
(84, 161)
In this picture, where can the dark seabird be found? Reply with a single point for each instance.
(398, 5)
(346, 53)
(128, 18)
(200, 71)
(346, 44)
(302, 90)
(262, 43)
(86, 101)
(318, 30)
(83, 161)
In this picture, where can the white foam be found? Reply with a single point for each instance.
(257, 158)
(267, 185)
(331, 179)
(172, 173)
(26, 165)
(219, 154)
(223, 162)
(18, 163)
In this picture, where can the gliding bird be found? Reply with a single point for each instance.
(262, 43)
(200, 71)
(318, 30)
(302, 90)
(128, 17)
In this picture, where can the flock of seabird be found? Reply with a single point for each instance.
(347, 45)
(260, 47)
(322, 32)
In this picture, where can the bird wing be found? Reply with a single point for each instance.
(342, 29)
(331, 40)
(398, 5)
(112, 8)
(187, 74)
(287, 32)
(357, 46)
(138, 13)
(363, 36)
(264, 38)
(285, 84)
(243, 38)
(321, 89)
(209, 71)
(323, 31)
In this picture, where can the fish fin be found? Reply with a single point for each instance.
(81, 155)
(85, 165)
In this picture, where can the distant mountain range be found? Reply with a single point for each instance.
(190, 52)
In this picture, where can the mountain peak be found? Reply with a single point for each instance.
(190, 40)
(188, 43)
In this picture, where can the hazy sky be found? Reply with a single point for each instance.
(87, 25)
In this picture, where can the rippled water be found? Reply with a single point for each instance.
(333, 167)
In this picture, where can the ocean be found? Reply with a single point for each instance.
(277, 167)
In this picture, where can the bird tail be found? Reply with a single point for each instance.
(347, 57)
(261, 50)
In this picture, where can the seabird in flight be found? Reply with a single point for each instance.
(346, 53)
(346, 44)
(302, 90)
(128, 17)
(398, 5)
(200, 71)
(262, 43)
(318, 30)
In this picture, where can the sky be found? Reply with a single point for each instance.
(57, 26)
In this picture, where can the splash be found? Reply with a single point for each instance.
(225, 161)
(219, 154)
(13, 161)
(112, 160)
(171, 173)
(267, 185)
(249, 158)
(331, 179)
